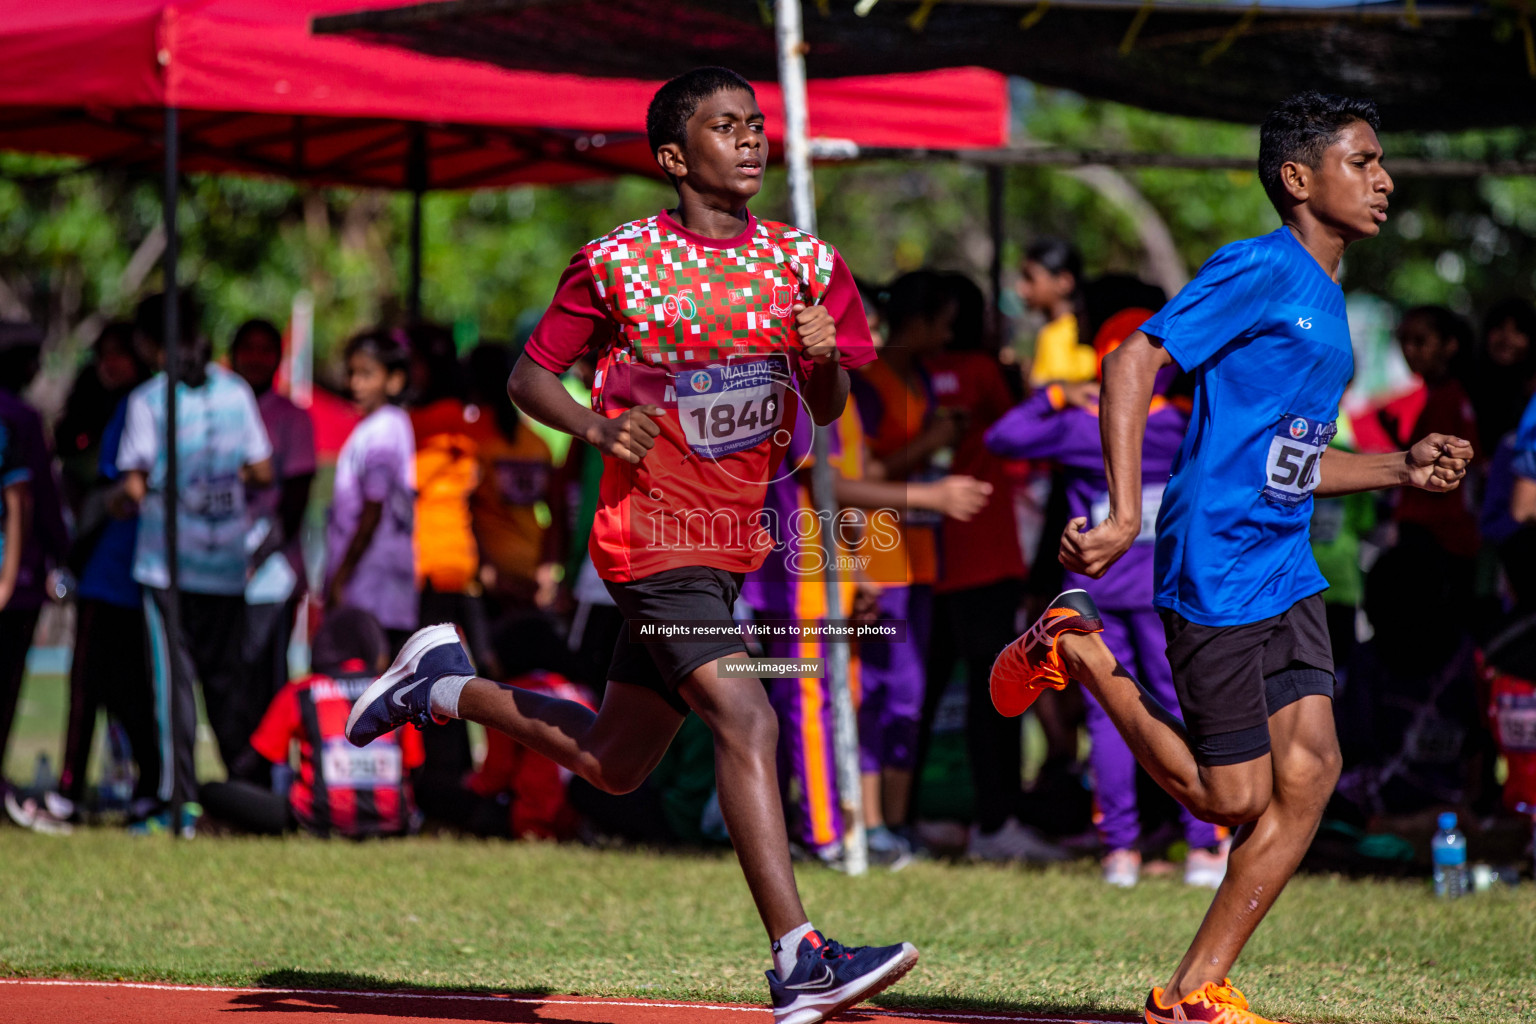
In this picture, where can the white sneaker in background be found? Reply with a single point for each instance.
(887, 849)
(58, 805)
(1207, 868)
(1013, 842)
(1122, 868)
(28, 813)
(22, 812)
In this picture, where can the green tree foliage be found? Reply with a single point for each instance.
(1464, 242)
(78, 245)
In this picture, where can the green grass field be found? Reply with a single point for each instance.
(39, 729)
(39, 726)
(463, 914)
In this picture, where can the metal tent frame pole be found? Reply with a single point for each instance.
(172, 346)
(416, 180)
(996, 188)
(845, 729)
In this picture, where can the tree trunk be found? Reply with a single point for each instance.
(1162, 265)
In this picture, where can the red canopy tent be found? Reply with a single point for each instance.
(258, 93)
(242, 86)
(255, 92)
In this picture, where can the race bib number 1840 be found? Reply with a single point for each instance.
(1291, 468)
(732, 407)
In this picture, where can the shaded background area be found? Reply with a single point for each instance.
(1227, 60)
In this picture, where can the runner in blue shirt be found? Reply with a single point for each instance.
(1262, 328)
(1518, 481)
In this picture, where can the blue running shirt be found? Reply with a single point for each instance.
(1524, 444)
(1262, 326)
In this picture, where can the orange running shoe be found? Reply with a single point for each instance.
(1030, 664)
(1219, 1004)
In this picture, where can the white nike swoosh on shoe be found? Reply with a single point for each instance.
(404, 666)
(824, 981)
(809, 1008)
(399, 697)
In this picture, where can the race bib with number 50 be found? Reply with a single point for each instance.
(732, 407)
(1291, 470)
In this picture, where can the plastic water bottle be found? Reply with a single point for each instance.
(43, 779)
(1448, 850)
(116, 789)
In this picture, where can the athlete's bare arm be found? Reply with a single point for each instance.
(943, 431)
(17, 512)
(1522, 502)
(258, 474)
(539, 393)
(956, 496)
(367, 525)
(1129, 374)
(826, 390)
(1436, 463)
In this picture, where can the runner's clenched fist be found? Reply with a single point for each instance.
(818, 333)
(630, 435)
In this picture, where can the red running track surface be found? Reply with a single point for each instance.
(29, 1001)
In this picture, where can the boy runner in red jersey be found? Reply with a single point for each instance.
(714, 331)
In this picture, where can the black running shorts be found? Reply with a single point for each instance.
(1230, 679)
(693, 594)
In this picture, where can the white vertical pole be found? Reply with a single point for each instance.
(172, 330)
(301, 391)
(845, 728)
(301, 350)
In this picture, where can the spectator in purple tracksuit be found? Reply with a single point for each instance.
(1061, 422)
(46, 544)
(791, 585)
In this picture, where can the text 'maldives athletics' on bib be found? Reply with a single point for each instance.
(1263, 329)
(703, 328)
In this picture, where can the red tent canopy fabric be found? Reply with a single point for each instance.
(260, 94)
(333, 417)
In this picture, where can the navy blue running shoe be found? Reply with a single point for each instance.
(402, 694)
(829, 978)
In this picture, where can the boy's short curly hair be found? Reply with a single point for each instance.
(666, 120)
(1300, 129)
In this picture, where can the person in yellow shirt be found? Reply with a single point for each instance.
(516, 499)
(1050, 282)
(447, 428)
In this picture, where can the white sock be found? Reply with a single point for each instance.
(786, 948)
(445, 695)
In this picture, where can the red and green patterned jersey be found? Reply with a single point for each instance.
(703, 328)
